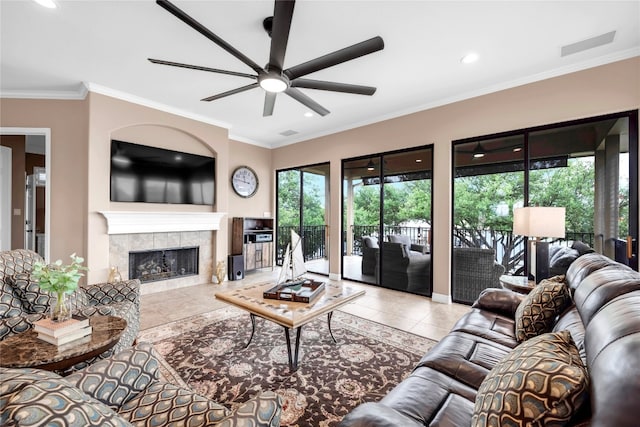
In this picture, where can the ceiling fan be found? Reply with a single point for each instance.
(479, 151)
(273, 77)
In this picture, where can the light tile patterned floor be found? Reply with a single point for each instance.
(411, 313)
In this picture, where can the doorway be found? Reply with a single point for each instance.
(587, 166)
(387, 220)
(30, 148)
(303, 206)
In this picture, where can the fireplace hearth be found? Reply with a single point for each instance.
(163, 264)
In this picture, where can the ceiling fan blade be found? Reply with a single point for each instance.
(339, 56)
(334, 87)
(178, 13)
(306, 101)
(230, 92)
(269, 102)
(198, 67)
(282, 16)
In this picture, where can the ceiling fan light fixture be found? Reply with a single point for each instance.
(371, 166)
(49, 4)
(273, 83)
(469, 58)
(478, 155)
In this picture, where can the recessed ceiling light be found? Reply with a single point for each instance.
(469, 58)
(49, 4)
(308, 114)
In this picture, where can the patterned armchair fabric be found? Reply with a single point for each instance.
(22, 302)
(121, 390)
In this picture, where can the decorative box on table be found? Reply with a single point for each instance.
(297, 291)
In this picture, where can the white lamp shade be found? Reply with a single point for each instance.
(539, 221)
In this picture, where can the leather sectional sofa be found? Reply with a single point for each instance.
(602, 317)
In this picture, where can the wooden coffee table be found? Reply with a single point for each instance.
(289, 315)
(25, 350)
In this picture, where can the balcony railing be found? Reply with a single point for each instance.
(509, 248)
(313, 241)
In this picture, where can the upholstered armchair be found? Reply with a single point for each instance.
(122, 390)
(22, 302)
(474, 269)
(404, 269)
(370, 254)
(406, 240)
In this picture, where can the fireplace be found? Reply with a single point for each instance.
(163, 264)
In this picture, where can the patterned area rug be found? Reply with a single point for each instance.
(206, 352)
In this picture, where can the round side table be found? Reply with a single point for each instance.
(26, 350)
(520, 284)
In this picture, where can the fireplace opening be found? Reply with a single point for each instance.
(163, 264)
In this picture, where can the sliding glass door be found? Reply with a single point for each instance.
(303, 198)
(387, 220)
(589, 167)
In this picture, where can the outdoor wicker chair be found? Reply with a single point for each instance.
(474, 269)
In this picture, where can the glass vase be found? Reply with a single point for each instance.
(60, 309)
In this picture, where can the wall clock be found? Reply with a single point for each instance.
(244, 181)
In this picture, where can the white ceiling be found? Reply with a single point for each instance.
(104, 46)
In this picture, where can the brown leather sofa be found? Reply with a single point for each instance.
(603, 320)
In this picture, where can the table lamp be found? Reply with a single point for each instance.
(539, 222)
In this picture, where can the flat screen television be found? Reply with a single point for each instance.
(140, 173)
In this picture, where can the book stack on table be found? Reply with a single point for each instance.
(59, 333)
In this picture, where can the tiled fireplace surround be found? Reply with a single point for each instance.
(138, 231)
(121, 244)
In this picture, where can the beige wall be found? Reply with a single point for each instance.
(81, 133)
(68, 122)
(258, 159)
(114, 118)
(601, 90)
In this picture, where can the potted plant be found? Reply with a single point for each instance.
(61, 280)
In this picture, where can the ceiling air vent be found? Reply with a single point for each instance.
(288, 132)
(587, 44)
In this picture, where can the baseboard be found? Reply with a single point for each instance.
(441, 298)
(335, 276)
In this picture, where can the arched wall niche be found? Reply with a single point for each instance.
(120, 245)
(163, 136)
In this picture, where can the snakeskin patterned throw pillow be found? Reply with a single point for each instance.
(542, 382)
(537, 312)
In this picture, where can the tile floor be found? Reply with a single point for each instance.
(407, 312)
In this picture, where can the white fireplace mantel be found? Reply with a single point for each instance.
(129, 222)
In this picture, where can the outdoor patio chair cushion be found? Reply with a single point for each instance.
(370, 254)
(410, 248)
